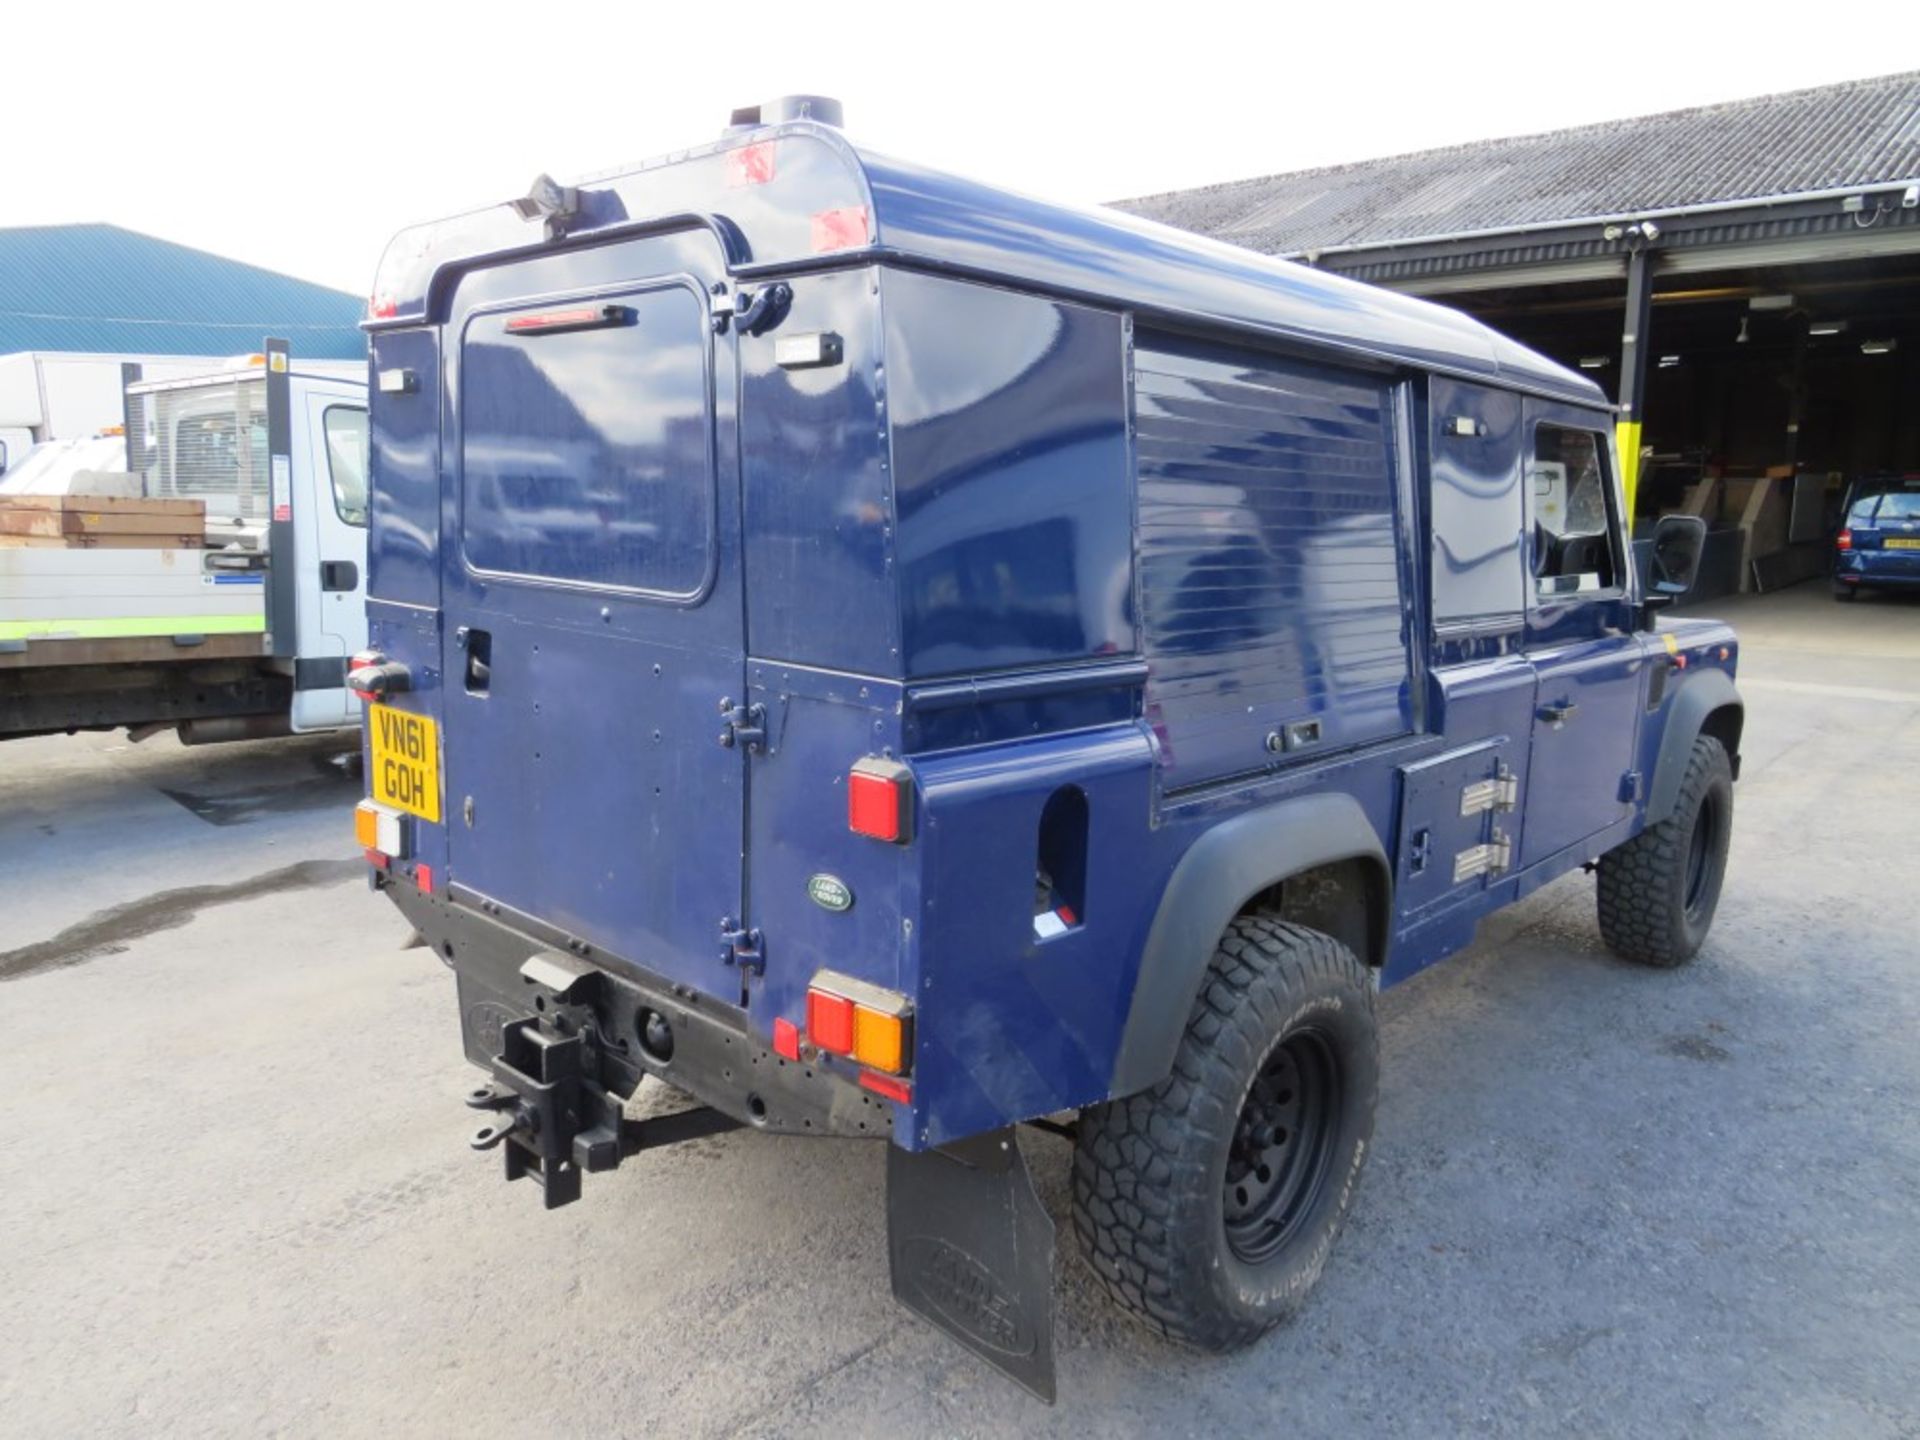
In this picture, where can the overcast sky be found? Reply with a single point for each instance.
(300, 137)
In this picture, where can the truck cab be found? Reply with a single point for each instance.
(895, 659)
(209, 575)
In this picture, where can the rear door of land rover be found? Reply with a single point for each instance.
(593, 619)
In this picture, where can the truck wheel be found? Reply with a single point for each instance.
(1207, 1205)
(1659, 890)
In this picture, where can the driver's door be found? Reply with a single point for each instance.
(1580, 635)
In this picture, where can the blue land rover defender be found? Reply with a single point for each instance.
(889, 657)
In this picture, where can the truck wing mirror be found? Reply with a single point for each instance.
(1678, 543)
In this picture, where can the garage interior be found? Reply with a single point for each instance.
(1742, 279)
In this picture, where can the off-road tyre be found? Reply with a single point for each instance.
(1291, 1009)
(1658, 891)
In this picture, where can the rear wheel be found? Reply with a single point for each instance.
(1846, 592)
(1207, 1205)
(1658, 892)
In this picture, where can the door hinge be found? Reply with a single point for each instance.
(1500, 791)
(1491, 858)
(741, 945)
(746, 725)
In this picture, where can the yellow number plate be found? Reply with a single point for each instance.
(1903, 544)
(406, 761)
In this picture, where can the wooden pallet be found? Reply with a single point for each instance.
(87, 522)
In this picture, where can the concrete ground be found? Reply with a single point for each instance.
(1602, 1199)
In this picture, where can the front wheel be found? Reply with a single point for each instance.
(1658, 891)
(1207, 1205)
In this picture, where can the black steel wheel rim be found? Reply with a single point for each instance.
(1700, 852)
(1282, 1146)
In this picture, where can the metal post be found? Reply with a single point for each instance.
(282, 577)
(1633, 371)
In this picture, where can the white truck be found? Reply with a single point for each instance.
(215, 585)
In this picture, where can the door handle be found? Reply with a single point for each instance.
(479, 668)
(339, 575)
(1558, 713)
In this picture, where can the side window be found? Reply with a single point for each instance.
(1573, 550)
(346, 432)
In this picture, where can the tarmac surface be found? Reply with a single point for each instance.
(1602, 1200)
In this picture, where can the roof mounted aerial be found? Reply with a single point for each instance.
(822, 109)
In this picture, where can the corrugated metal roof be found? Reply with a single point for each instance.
(1861, 133)
(104, 289)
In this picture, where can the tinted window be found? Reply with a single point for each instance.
(587, 454)
(1572, 540)
(346, 431)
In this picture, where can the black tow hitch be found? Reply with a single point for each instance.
(554, 1118)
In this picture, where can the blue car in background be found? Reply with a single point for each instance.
(1879, 541)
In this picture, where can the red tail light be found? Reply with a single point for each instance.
(880, 800)
(1844, 540)
(830, 1022)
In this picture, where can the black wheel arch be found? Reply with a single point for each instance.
(1707, 704)
(1222, 875)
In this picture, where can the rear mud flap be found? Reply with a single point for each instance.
(970, 1248)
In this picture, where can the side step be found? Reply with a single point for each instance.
(970, 1249)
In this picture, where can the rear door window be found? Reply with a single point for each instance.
(587, 452)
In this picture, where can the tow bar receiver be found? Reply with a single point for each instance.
(554, 1118)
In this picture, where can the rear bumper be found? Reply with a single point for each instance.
(1862, 568)
(713, 1056)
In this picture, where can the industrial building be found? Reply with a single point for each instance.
(1743, 278)
(99, 289)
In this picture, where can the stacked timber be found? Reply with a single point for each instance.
(101, 522)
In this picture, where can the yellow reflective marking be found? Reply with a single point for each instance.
(1626, 439)
(131, 625)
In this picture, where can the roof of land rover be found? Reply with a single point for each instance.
(800, 194)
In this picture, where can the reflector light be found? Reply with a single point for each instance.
(887, 1086)
(583, 317)
(842, 229)
(786, 1039)
(1844, 540)
(423, 879)
(750, 164)
(830, 1022)
(376, 859)
(880, 800)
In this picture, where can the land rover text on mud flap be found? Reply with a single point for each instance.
(892, 658)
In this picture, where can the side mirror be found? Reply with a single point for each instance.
(1678, 542)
